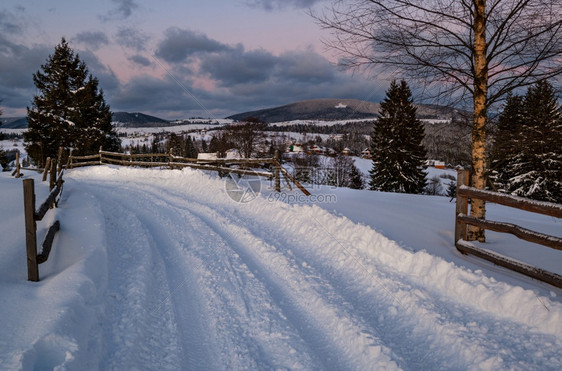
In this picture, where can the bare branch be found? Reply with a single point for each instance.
(432, 41)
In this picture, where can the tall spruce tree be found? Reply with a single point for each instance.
(396, 144)
(535, 168)
(69, 110)
(507, 139)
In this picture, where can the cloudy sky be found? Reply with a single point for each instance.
(179, 58)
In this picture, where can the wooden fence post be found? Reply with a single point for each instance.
(171, 158)
(69, 161)
(101, 149)
(461, 206)
(30, 230)
(53, 175)
(59, 161)
(46, 170)
(276, 171)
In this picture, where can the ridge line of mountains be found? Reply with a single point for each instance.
(314, 109)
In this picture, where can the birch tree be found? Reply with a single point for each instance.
(473, 51)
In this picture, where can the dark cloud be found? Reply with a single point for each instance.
(131, 38)
(278, 4)
(306, 67)
(237, 66)
(163, 97)
(18, 63)
(123, 9)
(140, 60)
(9, 23)
(179, 44)
(93, 40)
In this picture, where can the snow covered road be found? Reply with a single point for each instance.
(187, 278)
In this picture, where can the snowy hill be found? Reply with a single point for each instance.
(336, 109)
(162, 270)
(119, 119)
(137, 120)
(13, 123)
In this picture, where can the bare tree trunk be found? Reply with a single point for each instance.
(478, 207)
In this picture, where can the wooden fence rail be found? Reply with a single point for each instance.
(462, 219)
(175, 162)
(32, 217)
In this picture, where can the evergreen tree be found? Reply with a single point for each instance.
(190, 151)
(452, 189)
(356, 178)
(535, 169)
(69, 111)
(396, 144)
(175, 144)
(507, 144)
(204, 147)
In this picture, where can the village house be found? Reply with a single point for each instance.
(436, 164)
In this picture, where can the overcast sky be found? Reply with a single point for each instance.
(177, 58)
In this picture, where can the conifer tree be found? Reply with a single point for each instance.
(69, 110)
(204, 147)
(535, 169)
(507, 140)
(356, 178)
(190, 150)
(396, 144)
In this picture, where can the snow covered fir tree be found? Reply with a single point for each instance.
(396, 144)
(506, 141)
(69, 109)
(527, 154)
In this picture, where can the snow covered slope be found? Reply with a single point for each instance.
(163, 270)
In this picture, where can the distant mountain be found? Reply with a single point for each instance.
(120, 119)
(316, 109)
(13, 123)
(335, 109)
(137, 119)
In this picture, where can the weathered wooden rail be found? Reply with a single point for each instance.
(32, 217)
(169, 161)
(462, 219)
(164, 160)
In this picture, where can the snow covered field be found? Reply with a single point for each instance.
(162, 270)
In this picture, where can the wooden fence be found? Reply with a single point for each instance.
(169, 161)
(462, 219)
(165, 160)
(32, 217)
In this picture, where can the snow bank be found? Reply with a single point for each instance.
(48, 324)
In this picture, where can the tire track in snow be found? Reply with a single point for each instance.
(439, 333)
(429, 318)
(215, 298)
(134, 336)
(326, 326)
(447, 334)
